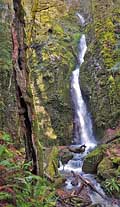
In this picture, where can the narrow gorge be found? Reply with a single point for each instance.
(59, 103)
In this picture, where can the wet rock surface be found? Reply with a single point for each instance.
(107, 167)
(92, 160)
(65, 155)
(100, 73)
(76, 149)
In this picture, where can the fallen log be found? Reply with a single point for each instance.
(88, 183)
(69, 200)
(112, 139)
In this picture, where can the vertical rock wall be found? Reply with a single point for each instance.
(100, 75)
(52, 35)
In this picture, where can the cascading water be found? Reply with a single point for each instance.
(82, 130)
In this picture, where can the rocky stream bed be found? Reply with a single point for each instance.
(84, 176)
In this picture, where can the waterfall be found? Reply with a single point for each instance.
(82, 20)
(83, 134)
(82, 124)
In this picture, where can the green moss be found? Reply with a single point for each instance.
(76, 38)
(100, 72)
(53, 36)
(58, 29)
(106, 40)
(52, 168)
(93, 159)
(116, 160)
(105, 169)
(38, 147)
(99, 150)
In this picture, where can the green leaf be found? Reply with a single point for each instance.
(5, 196)
(6, 137)
(2, 150)
(7, 163)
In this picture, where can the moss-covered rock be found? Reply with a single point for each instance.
(100, 79)
(105, 162)
(93, 159)
(105, 169)
(52, 165)
(59, 181)
(52, 35)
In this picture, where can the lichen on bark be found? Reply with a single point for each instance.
(8, 110)
(24, 96)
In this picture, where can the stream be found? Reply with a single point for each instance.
(82, 133)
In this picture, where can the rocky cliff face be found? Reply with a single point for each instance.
(52, 35)
(52, 32)
(100, 75)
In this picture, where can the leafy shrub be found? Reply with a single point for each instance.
(111, 186)
(18, 186)
(6, 137)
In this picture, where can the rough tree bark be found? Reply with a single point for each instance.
(26, 110)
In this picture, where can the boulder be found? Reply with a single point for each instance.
(59, 181)
(75, 149)
(93, 159)
(65, 155)
(105, 169)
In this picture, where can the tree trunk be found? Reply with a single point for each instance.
(26, 110)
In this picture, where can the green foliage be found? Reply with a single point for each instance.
(19, 187)
(52, 168)
(4, 152)
(4, 196)
(6, 137)
(34, 191)
(111, 186)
